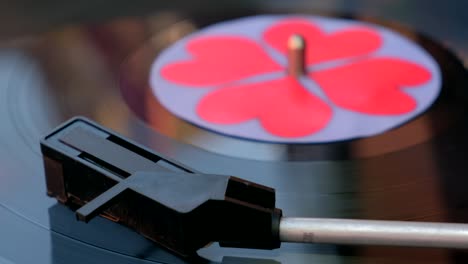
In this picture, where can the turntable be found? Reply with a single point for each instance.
(345, 116)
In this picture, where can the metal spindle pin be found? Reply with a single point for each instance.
(296, 55)
(374, 232)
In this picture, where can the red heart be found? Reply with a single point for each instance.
(283, 107)
(321, 46)
(219, 60)
(373, 86)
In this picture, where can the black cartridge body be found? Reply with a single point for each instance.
(97, 172)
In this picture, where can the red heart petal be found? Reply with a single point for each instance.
(219, 60)
(373, 86)
(320, 45)
(283, 107)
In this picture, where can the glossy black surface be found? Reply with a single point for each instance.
(417, 172)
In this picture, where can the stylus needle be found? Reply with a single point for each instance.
(373, 232)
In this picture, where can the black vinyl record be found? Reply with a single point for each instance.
(412, 171)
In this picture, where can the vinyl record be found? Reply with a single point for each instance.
(392, 147)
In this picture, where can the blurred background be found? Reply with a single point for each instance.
(444, 20)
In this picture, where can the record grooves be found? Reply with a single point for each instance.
(413, 171)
